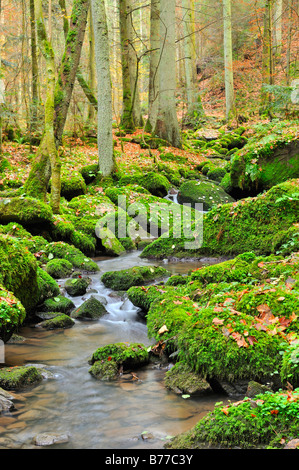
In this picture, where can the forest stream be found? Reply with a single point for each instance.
(126, 414)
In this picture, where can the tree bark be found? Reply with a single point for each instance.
(47, 152)
(154, 65)
(167, 127)
(102, 54)
(69, 66)
(127, 121)
(193, 97)
(228, 61)
(34, 71)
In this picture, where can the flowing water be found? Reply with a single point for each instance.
(131, 413)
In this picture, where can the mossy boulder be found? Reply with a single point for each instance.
(155, 183)
(59, 268)
(258, 224)
(203, 192)
(181, 379)
(89, 172)
(270, 158)
(269, 421)
(107, 360)
(62, 250)
(72, 184)
(59, 321)
(18, 378)
(19, 271)
(12, 314)
(75, 287)
(91, 309)
(136, 276)
(47, 286)
(59, 303)
(27, 211)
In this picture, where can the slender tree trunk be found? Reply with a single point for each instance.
(228, 61)
(134, 71)
(91, 68)
(277, 27)
(81, 80)
(69, 66)
(154, 65)
(102, 54)
(193, 98)
(47, 152)
(127, 120)
(267, 65)
(167, 126)
(34, 72)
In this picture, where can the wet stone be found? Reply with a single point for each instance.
(48, 439)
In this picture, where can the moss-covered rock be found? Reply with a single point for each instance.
(270, 158)
(59, 268)
(27, 211)
(62, 250)
(47, 286)
(267, 421)
(60, 321)
(72, 184)
(18, 378)
(107, 360)
(203, 192)
(59, 303)
(76, 287)
(136, 276)
(91, 309)
(89, 172)
(18, 271)
(182, 379)
(155, 183)
(12, 314)
(257, 224)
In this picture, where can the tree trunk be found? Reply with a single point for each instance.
(34, 72)
(69, 65)
(267, 65)
(193, 98)
(167, 127)
(228, 61)
(47, 152)
(102, 54)
(134, 73)
(92, 71)
(277, 27)
(127, 121)
(154, 65)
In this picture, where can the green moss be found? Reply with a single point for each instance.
(126, 278)
(155, 183)
(58, 303)
(91, 309)
(59, 268)
(12, 314)
(268, 421)
(47, 286)
(17, 378)
(202, 192)
(255, 224)
(26, 211)
(18, 271)
(127, 355)
(182, 379)
(58, 322)
(76, 287)
(72, 185)
(62, 250)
